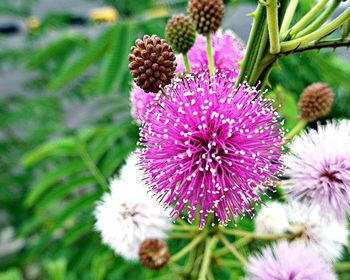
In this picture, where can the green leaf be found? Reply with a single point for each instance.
(75, 207)
(63, 146)
(116, 61)
(94, 52)
(100, 264)
(11, 274)
(115, 158)
(59, 193)
(55, 49)
(56, 269)
(51, 178)
(106, 140)
(79, 230)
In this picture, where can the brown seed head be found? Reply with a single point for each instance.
(152, 63)
(154, 254)
(207, 15)
(315, 101)
(180, 33)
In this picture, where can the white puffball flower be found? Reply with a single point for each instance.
(271, 219)
(327, 237)
(128, 215)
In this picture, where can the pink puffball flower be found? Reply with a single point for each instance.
(210, 149)
(288, 261)
(227, 53)
(139, 100)
(318, 168)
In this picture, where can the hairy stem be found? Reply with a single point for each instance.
(190, 246)
(306, 18)
(187, 63)
(180, 235)
(299, 127)
(289, 16)
(254, 44)
(321, 19)
(210, 56)
(316, 35)
(324, 44)
(209, 246)
(233, 249)
(272, 24)
(342, 267)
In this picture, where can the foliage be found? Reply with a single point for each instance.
(55, 163)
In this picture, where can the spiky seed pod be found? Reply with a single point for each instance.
(206, 15)
(180, 33)
(315, 101)
(154, 254)
(152, 63)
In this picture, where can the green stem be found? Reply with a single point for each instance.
(91, 166)
(238, 243)
(320, 20)
(299, 127)
(254, 44)
(342, 267)
(307, 18)
(180, 235)
(209, 246)
(254, 74)
(254, 235)
(272, 24)
(324, 44)
(233, 250)
(316, 35)
(210, 56)
(187, 63)
(184, 227)
(190, 246)
(289, 16)
(229, 263)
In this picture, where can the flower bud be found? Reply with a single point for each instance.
(206, 15)
(154, 254)
(316, 101)
(152, 63)
(180, 33)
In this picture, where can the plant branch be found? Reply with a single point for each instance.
(187, 63)
(255, 235)
(289, 16)
(316, 35)
(209, 246)
(91, 166)
(320, 20)
(190, 246)
(306, 18)
(210, 56)
(254, 44)
(238, 243)
(299, 127)
(323, 45)
(342, 267)
(272, 24)
(180, 235)
(233, 249)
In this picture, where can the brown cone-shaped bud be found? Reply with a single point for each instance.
(180, 33)
(207, 15)
(154, 254)
(152, 63)
(316, 101)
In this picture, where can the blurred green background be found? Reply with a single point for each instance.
(66, 126)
